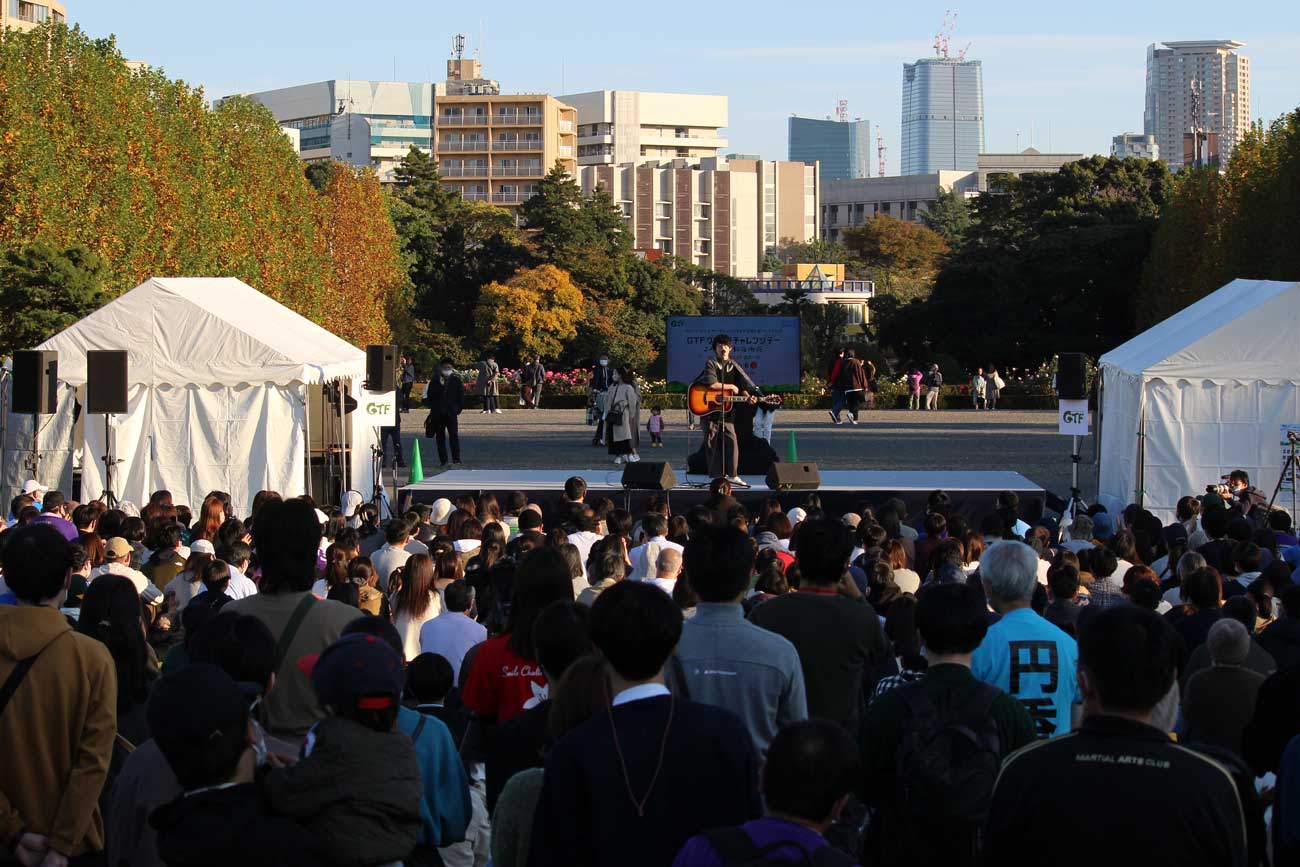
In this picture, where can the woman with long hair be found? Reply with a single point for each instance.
(542, 577)
(468, 539)
(211, 514)
(416, 603)
(111, 612)
(157, 501)
(492, 547)
(185, 586)
(489, 512)
(370, 599)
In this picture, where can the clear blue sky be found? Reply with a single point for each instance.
(1076, 69)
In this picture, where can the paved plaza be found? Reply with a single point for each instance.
(1019, 440)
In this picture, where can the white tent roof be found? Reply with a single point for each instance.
(1249, 330)
(206, 331)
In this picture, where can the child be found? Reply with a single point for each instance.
(656, 427)
(357, 786)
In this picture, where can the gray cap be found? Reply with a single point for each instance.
(1228, 642)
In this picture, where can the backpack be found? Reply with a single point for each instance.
(936, 379)
(735, 849)
(948, 761)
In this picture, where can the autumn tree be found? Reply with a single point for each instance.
(894, 248)
(535, 311)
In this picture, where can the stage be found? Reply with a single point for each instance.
(973, 492)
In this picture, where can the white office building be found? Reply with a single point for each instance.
(1198, 87)
(629, 126)
(1132, 144)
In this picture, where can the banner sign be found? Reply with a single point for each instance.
(766, 346)
(1072, 418)
(379, 408)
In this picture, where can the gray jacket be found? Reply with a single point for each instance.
(731, 663)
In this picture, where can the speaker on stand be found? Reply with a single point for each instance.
(106, 395)
(35, 393)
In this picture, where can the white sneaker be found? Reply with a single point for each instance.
(737, 482)
(618, 460)
(633, 458)
(496, 412)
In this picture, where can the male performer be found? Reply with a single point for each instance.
(444, 395)
(602, 377)
(723, 375)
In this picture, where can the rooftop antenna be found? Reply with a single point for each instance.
(458, 46)
(880, 151)
(842, 110)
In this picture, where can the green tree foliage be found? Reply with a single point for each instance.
(585, 236)
(1219, 227)
(950, 216)
(719, 294)
(136, 168)
(1052, 264)
(817, 251)
(821, 330)
(44, 289)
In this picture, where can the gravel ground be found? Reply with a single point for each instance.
(1023, 441)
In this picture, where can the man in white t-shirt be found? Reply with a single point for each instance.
(237, 555)
(392, 554)
(585, 519)
(668, 567)
(117, 561)
(644, 556)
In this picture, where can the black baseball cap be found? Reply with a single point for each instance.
(196, 702)
(358, 671)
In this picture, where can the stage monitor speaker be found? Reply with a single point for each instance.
(106, 381)
(1072, 376)
(803, 476)
(36, 380)
(649, 476)
(381, 367)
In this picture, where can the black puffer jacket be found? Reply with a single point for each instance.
(234, 825)
(358, 792)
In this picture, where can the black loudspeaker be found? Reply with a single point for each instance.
(794, 477)
(649, 476)
(36, 379)
(1072, 377)
(106, 381)
(381, 367)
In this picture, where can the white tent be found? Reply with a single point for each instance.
(218, 382)
(1204, 392)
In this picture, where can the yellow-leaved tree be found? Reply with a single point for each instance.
(536, 310)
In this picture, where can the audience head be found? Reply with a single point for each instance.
(720, 560)
(1009, 571)
(429, 679)
(636, 626)
(951, 618)
(561, 634)
(1228, 642)
(824, 548)
(810, 770)
(199, 720)
(287, 536)
(37, 563)
(1127, 660)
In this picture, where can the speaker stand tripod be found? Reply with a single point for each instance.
(1288, 472)
(378, 495)
(108, 497)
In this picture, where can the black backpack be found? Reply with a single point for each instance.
(936, 379)
(948, 761)
(736, 850)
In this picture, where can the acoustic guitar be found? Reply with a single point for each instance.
(704, 399)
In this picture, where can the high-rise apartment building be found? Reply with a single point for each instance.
(842, 147)
(1199, 88)
(628, 126)
(943, 115)
(1132, 144)
(26, 14)
(718, 213)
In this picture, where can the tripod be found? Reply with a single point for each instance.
(379, 496)
(110, 467)
(1288, 472)
(1076, 496)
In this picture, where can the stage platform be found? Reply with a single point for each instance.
(973, 492)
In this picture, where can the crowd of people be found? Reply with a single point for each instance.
(556, 683)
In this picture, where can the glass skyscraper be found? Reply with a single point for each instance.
(943, 115)
(842, 147)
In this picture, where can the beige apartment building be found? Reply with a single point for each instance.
(722, 214)
(495, 148)
(26, 14)
(1199, 87)
(630, 126)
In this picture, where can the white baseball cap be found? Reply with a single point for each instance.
(796, 515)
(202, 546)
(321, 517)
(31, 486)
(442, 509)
(352, 501)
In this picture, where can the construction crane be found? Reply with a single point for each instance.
(880, 151)
(842, 110)
(944, 36)
(961, 55)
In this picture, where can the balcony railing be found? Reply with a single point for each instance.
(517, 117)
(454, 145)
(566, 126)
(463, 171)
(473, 196)
(516, 171)
(462, 120)
(511, 198)
(526, 144)
(566, 150)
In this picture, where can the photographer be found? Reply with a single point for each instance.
(1239, 495)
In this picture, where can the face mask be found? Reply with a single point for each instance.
(604, 362)
(446, 371)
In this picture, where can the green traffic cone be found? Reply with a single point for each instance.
(417, 466)
(791, 451)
